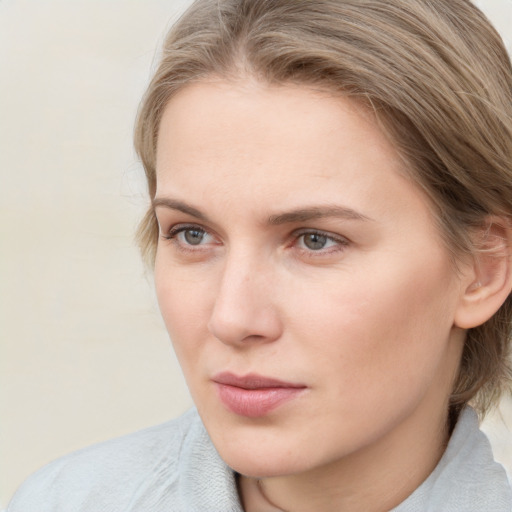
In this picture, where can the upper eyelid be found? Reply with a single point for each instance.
(327, 234)
(185, 226)
(296, 232)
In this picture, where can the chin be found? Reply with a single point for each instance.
(264, 465)
(261, 452)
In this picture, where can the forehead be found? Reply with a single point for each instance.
(241, 120)
(253, 146)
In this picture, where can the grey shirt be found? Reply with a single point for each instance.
(175, 468)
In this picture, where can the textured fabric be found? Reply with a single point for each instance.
(172, 467)
(466, 478)
(175, 468)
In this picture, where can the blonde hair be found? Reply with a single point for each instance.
(438, 78)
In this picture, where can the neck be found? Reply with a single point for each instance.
(375, 479)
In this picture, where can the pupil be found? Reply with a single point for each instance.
(194, 236)
(315, 241)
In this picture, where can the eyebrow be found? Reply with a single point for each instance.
(298, 215)
(174, 204)
(316, 212)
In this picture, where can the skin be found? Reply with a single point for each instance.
(367, 322)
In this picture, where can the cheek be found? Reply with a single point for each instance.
(184, 306)
(379, 330)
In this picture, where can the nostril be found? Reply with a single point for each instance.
(245, 327)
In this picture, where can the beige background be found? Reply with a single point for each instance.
(84, 355)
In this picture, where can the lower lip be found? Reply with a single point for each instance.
(254, 403)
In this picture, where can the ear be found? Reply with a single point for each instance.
(487, 279)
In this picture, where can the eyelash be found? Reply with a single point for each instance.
(339, 241)
(173, 233)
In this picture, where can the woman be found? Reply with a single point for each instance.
(330, 229)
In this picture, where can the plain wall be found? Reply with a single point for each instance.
(84, 355)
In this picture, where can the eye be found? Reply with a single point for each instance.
(318, 241)
(189, 236)
(314, 241)
(192, 236)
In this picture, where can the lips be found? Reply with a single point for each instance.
(253, 395)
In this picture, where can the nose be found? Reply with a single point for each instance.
(244, 311)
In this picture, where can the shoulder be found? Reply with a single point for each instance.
(113, 473)
(469, 464)
(466, 479)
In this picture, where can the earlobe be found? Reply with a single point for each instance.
(489, 278)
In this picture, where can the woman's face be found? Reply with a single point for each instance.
(306, 290)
